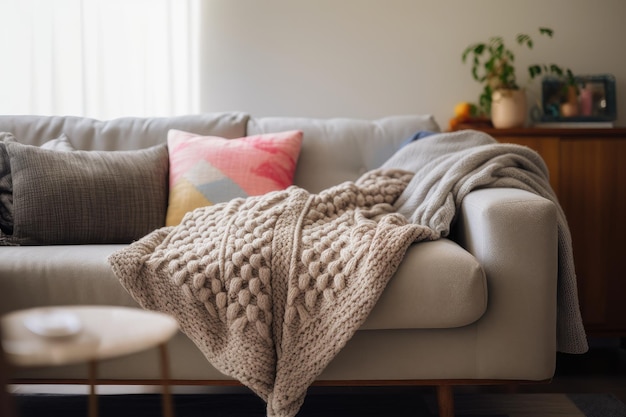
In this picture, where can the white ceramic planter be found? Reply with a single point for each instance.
(508, 108)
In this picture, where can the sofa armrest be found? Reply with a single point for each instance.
(513, 234)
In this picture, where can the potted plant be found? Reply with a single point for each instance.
(493, 66)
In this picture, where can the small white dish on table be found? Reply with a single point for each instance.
(56, 323)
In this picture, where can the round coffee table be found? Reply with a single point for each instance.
(62, 335)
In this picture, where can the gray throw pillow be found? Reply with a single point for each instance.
(6, 184)
(84, 197)
(62, 143)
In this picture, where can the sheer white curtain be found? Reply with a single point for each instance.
(99, 58)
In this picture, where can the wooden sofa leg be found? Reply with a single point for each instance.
(445, 400)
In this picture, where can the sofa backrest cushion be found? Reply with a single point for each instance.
(125, 133)
(340, 149)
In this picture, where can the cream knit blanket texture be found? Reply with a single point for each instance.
(271, 288)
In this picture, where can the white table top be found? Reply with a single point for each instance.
(81, 333)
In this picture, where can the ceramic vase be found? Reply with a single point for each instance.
(508, 108)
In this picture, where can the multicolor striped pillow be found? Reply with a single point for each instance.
(205, 170)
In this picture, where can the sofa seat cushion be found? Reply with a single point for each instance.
(59, 275)
(438, 284)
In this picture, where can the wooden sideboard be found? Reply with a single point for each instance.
(588, 173)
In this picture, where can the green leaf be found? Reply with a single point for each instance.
(496, 41)
(465, 53)
(546, 31)
(523, 38)
(534, 70)
(556, 69)
(511, 56)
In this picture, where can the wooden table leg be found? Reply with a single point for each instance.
(445, 400)
(93, 399)
(7, 407)
(168, 408)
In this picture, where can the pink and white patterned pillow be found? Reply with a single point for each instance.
(205, 170)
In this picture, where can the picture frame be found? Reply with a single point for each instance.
(595, 99)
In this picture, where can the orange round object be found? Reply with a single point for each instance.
(463, 110)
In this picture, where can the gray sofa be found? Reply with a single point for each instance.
(476, 307)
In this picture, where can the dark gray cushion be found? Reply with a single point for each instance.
(86, 197)
(6, 187)
(6, 184)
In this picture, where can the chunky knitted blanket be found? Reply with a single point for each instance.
(270, 288)
(448, 166)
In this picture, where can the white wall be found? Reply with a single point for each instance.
(372, 58)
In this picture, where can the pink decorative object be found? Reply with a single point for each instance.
(586, 101)
(205, 170)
